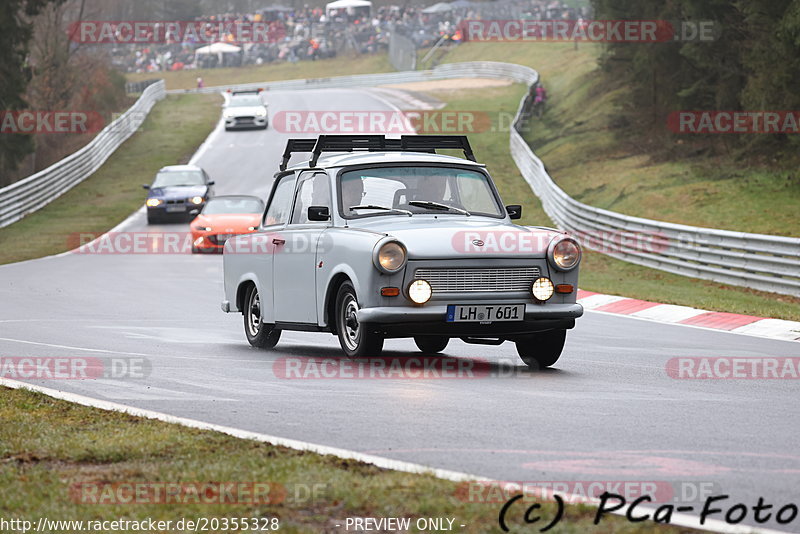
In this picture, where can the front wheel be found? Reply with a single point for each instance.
(261, 335)
(431, 344)
(355, 339)
(543, 349)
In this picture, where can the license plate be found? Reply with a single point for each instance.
(172, 209)
(485, 313)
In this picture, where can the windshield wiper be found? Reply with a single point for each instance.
(437, 206)
(384, 208)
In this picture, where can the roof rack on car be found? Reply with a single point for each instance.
(375, 143)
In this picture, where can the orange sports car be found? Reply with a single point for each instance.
(222, 217)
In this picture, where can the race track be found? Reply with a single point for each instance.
(608, 411)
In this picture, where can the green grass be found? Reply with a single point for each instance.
(599, 272)
(47, 446)
(587, 159)
(170, 135)
(570, 151)
(323, 68)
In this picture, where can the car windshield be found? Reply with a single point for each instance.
(171, 178)
(245, 101)
(233, 205)
(441, 190)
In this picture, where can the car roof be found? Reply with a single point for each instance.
(177, 168)
(346, 159)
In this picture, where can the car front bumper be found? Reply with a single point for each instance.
(404, 321)
(246, 122)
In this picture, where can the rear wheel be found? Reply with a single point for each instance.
(355, 339)
(261, 335)
(431, 344)
(541, 350)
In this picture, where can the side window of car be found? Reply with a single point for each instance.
(313, 189)
(281, 202)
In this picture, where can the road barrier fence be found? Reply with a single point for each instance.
(764, 262)
(36, 191)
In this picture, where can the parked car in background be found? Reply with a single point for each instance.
(223, 217)
(176, 191)
(390, 239)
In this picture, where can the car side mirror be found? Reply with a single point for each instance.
(514, 211)
(145, 186)
(211, 182)
(319, 213)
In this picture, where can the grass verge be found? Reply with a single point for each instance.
(577, 141)
(599, 272)
(54, 455)
(170, 135)
(323, 68)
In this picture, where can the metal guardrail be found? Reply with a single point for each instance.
(138, 87)
(36, 191)
(763, 262)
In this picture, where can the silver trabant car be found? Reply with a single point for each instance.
(375, 238)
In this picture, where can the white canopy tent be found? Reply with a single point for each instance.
(217, 48)
(348, 5)
(441, 7)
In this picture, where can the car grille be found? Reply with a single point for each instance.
(478, 279)
(245, 120)
(179, 201)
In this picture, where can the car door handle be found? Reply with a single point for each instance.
(277, 241)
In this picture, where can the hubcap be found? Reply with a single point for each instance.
(254, 314)
(350, 324)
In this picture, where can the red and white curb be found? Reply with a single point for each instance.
(684, 315)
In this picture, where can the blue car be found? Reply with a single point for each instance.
(179, 192)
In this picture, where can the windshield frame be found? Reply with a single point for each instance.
(200, 172)
(253, 101)
(223, 198)
(462, 166)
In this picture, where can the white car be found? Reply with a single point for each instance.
(385, 239)
(245, 109)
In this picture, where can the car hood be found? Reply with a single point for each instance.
(178, 191)
(426, 237)
(229, 222)
(247, 111)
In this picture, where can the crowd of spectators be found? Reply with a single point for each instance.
(309, 33)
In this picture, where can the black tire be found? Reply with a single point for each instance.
(541, 350)
(152, 219)
(431, 344)
(261, 335)
(356, 342)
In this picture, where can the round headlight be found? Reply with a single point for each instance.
(153, 202)
(196, 200)
(420, 291)
(566, 254)
(390, 256)
(542, 289)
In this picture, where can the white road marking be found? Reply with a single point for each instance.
(678, 519)
(668, 313)
(84, 349)
(773, 328)
(595, 301)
